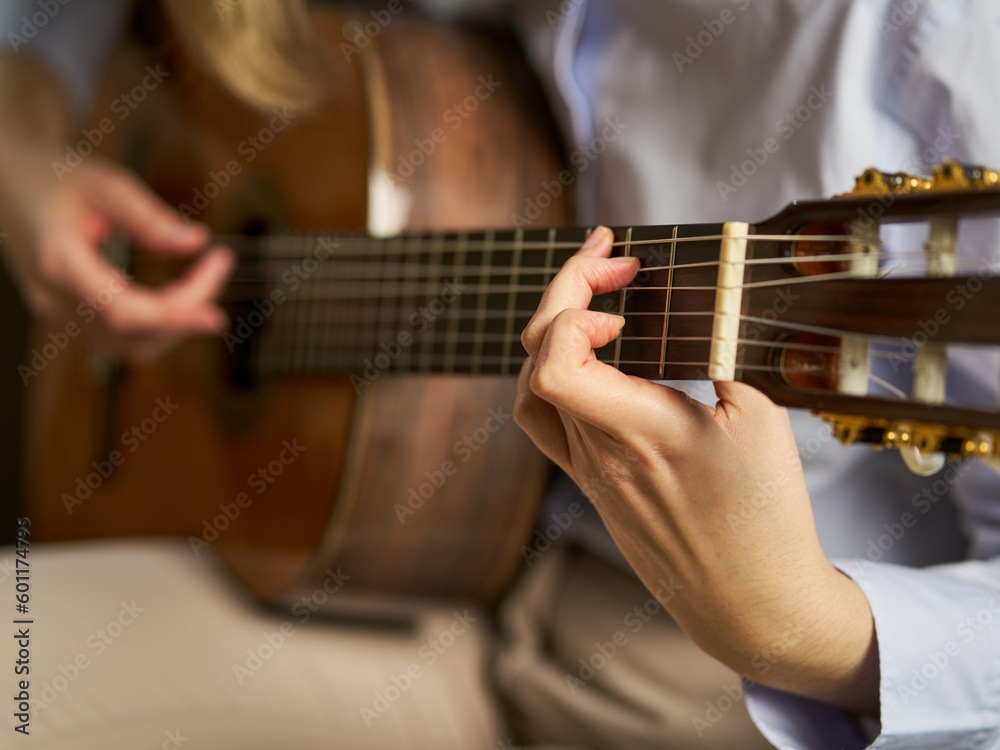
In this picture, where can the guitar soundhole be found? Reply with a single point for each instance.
(810, 361)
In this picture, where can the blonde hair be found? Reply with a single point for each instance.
(264, 51)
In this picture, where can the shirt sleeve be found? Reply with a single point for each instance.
(74, 38)
(938, 628)
(938, 634)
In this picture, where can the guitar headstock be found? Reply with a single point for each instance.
(859, 307)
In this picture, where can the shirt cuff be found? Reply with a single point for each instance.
(939, 656)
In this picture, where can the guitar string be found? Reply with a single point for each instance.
(368, 269)
(345, 276)
(269, 243)
(788, 345)
(481, 289)
(476, 363)
(487, 363)
(365, 292)
(335, 242)
(353, 290)
(482, 336)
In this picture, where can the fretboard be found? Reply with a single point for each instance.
(457, 302)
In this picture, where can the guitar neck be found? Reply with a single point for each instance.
(457, 302)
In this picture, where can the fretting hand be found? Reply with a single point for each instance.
(711, 500)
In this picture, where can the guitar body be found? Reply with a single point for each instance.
(412, 486)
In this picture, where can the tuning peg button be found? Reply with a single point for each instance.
(953, 175)
(874, 182)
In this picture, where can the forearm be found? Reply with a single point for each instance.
(35, 118)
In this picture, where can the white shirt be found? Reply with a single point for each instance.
(896, 85)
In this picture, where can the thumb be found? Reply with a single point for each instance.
(745, 413)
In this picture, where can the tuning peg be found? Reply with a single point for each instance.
(924, 446)
(875, 182)
(920, 463)
(953, 175)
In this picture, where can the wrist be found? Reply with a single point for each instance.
(823, 647)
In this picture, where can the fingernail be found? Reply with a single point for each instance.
(595, 238)
(621, 259)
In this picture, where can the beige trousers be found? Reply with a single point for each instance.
(142, 645)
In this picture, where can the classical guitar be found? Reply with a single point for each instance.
(355, 420)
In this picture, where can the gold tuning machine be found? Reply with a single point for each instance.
(948, 176)
(874, 182)
(951, 175)
(956, 442)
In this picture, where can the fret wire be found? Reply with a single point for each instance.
(290, 344)
(332, 315)
(315, 329)
(333, 333)
(298, 333)
(433, 288)
(666, 310)
(286, 343)
(404, 298)
(353, 310)
(482, 302)
(302, 331)
(387, 295)
(319, 332)
(276, 348)
(309, 330)
(623, 294)
(512, 295)
(458, 274)
(347, 333)
(340, 312)
(549, 252)
(367, 316)
(326, 318)
(352, 333)
(406, 302)
(261, 351)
